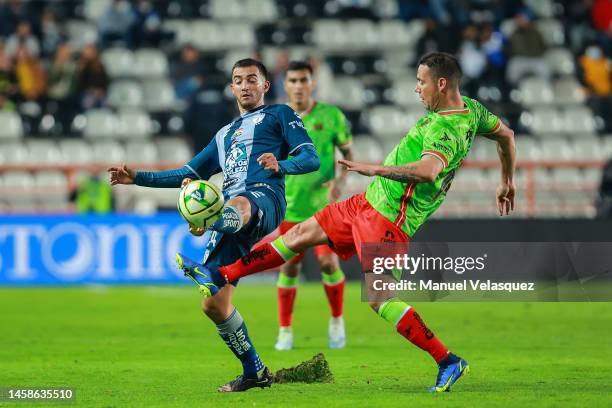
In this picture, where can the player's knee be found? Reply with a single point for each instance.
(375, 305)
(214, 309)
(290, 269)
(328, 264)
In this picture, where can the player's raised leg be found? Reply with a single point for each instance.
(333, 283)
(272, 255)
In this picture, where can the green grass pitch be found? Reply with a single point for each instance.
(151, 346)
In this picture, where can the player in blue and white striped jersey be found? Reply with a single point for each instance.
(252, 152)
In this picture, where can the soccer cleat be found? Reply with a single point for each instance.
(197, 273)
(241, 383)
(450, 370)
(285, 339)
(336, 333)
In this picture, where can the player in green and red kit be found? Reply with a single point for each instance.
(407, 189)
(308, 193)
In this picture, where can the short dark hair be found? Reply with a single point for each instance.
(443, 65)
(250, 62)
(298, 66)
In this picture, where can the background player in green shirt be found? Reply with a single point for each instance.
(406, 190)
(309, 193)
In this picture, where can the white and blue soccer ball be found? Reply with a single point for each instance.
(200, 203)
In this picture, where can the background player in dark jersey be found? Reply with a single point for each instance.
(308, 193)
(409, 186)
(252, 152)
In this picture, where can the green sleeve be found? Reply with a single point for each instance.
(342, 135)
(440, 142)
(487, 122)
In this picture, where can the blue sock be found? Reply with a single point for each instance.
(234, 332)
(230, 221)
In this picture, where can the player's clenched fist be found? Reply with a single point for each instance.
(121, 175)
(268, 161)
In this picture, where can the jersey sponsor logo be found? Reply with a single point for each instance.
(258, 118)
(238, 132)
(443, 148)
(296, 123)
(318, 126)
(236, 163)
(445, 137)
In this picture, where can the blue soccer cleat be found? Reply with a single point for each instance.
(450, 370)
(197, 273)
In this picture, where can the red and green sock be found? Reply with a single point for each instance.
(409, 324)
(261, 258)
(286, 289)
(334, 289)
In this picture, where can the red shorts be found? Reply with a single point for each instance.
(285, 226)
(353, 222)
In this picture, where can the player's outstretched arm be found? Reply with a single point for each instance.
(506, 151)
(422, 171)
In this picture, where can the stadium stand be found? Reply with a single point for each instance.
(367, 63)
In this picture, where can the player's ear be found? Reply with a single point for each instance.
(266, 87)
(442, 84)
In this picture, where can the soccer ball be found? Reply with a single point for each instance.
(200, 203)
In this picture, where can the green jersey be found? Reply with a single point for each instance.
(447, 135)
(306, 193)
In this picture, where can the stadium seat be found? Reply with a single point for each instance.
(119, 62)
(182, 30)
(394, 34)
(330, 35)
(100, 123)
(133, 124)
(483, 149)
(542, 8)
(404, 94)
(543, 121)
(527, 148)
(108, 152)
(556, 149)
(159, 95)
(561, 61)
(12, 126)
(587, 149)
(238, 35)
(227, 9)
(141, 152)
(386, 9)
(535, 91)
(75, 151)
(18, 189)
(93, 10)
(355, 184)
(260, 11)
(51, 190)
(368, 149)
(207, 35)
(386, 120)
(81, 33)
(568, 91)
(362, 35)
(591, 178)
(552, 31)
(150, 63)
(13, 153)
(174, 150)
(125, 94)
(399, 62)
(349, 93)
(564, 179)
(578, 120)
(43, 152)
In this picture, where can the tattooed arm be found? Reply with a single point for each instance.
(423, 171)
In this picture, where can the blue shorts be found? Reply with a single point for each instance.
(267, 212)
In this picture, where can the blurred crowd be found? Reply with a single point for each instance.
(38, 63)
